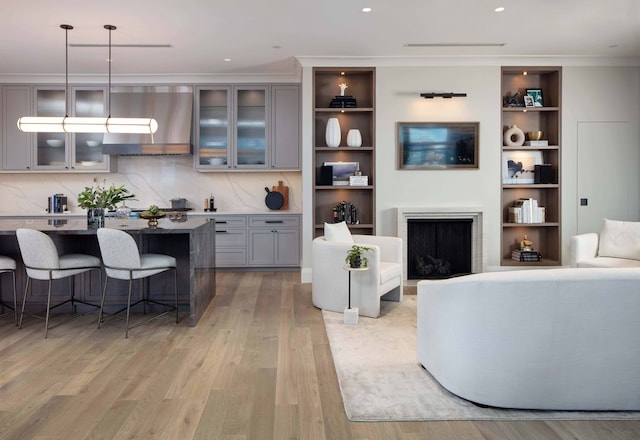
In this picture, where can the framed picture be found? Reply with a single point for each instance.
(437, 145)
(536, 94)
(518, 167)
(528, 101)
(342, 171)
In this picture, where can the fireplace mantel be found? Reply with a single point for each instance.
(474, 213)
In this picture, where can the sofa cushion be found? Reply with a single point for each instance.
(608, 262)
(389, 271)
(337, 232)
(619, 239)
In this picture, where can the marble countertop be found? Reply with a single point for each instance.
(77, 225)
(194, 213)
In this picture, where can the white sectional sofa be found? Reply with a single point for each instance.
(617, 245)
(563, 339)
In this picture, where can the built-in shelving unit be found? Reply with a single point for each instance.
(544, 235)
(361, 86)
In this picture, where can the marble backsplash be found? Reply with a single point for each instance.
(154, 180)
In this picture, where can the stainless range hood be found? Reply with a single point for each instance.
(170, 106)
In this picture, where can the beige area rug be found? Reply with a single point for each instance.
(381, 379)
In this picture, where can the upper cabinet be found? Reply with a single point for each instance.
(15, 145)
(52, 151)
(247, 127)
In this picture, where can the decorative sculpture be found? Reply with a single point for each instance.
(343, 86)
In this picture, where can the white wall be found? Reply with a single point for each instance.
(595, 94)
(589, 93)
(398, 100)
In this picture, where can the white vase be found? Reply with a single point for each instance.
(332, 135)
(354, 138)
(514, 136)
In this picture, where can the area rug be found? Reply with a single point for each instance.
(381, 379)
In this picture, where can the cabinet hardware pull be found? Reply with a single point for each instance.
(274, 221)
(220, 222)
(222, 232)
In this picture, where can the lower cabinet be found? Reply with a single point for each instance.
(253, 241)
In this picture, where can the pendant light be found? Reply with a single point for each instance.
(69, 124)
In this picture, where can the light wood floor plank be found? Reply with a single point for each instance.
(257, 366)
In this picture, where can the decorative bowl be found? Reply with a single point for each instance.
(152, 219)
(535, 135)
(55, 142)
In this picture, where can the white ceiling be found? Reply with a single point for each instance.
(265, 37)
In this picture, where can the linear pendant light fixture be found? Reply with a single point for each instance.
(69, 124)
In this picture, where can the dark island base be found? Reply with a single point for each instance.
(192, 243)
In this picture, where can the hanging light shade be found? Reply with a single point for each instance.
(67, 124)
(31, 124)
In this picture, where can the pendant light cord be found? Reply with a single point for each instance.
(66, 28)
(109, 27)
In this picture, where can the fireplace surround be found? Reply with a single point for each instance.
(474, 214)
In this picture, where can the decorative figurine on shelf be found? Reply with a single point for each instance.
(513, 100)
(526, 244)
(342, 100)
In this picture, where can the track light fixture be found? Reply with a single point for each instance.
(449, 95)
(67, 124)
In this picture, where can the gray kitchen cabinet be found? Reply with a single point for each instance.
(231, 240)
(58, 152)
(15, 145)
(274, 241)
(257, 241)
(247, 127)
(285, 127)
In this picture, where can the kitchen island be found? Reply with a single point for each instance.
(191, 241)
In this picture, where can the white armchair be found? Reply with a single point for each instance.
(617, 245)
(330, 288)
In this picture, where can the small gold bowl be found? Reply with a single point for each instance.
(535, 135)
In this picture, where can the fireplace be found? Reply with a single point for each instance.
(448, 238)
(438, 248)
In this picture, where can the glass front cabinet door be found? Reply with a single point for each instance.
(251, 133)
(87, 147)
(51, 148)
(213, 136)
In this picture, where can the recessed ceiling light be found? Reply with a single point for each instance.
(227, 59)
(499, 9)
(366, 9)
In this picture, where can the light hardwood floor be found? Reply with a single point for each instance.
(257, 366)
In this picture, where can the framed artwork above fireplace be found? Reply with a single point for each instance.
(437, 145)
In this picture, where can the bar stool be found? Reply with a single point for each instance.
(122, 260)
(42, 262)
(8, 265)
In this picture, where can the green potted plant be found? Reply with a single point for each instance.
(355, 258)
(98, 197)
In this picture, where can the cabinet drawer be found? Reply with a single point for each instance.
(225, 222)
(274, 221)
(231, 257)
(231, 238)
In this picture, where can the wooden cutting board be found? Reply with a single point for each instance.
(284, 190)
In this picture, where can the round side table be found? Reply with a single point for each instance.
(351, 314)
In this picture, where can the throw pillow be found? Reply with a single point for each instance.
(338, 232)
(619, 239)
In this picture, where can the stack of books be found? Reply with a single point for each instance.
(526, 211)
(346, 101)
(529, 255)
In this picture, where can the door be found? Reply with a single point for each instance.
(608, 177)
